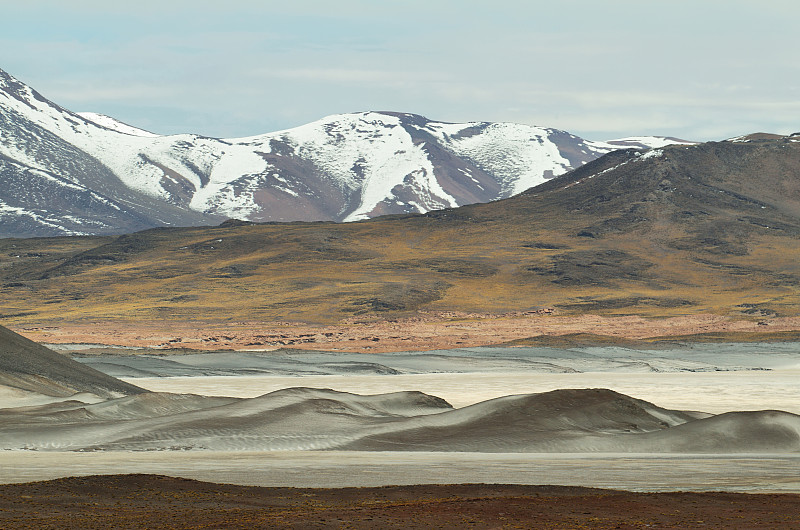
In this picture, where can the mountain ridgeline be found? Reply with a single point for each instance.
(683, 229)
(66, 173)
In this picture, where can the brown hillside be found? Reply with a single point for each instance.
(712, 228)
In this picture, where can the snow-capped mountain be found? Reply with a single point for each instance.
(65, 173)
(55, 178)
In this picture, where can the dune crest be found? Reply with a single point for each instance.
(570, 420)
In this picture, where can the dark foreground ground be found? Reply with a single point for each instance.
(149, 501)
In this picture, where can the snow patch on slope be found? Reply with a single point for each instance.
(10, 213)
(654, 153)
(367, 152)
(521, 156)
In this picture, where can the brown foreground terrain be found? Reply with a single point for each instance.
(150, 501)
(427, 331)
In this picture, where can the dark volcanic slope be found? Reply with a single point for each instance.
(722, 194)
(679, 230)
(29, 366)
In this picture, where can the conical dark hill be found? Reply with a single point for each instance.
(26, 365)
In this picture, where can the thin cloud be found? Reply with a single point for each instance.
(243, 68)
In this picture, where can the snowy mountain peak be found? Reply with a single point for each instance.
(343, 167)
(12, 87)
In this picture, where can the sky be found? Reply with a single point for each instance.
(694, 69)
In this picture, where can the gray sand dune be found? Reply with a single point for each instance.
(88, 410)
(602, 429)
(765, 431)
(140, 406)
(576, 420)
(297, 418)
(32, 369)
(529, 423)
(73, 425)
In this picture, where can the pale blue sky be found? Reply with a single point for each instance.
(700, 69)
